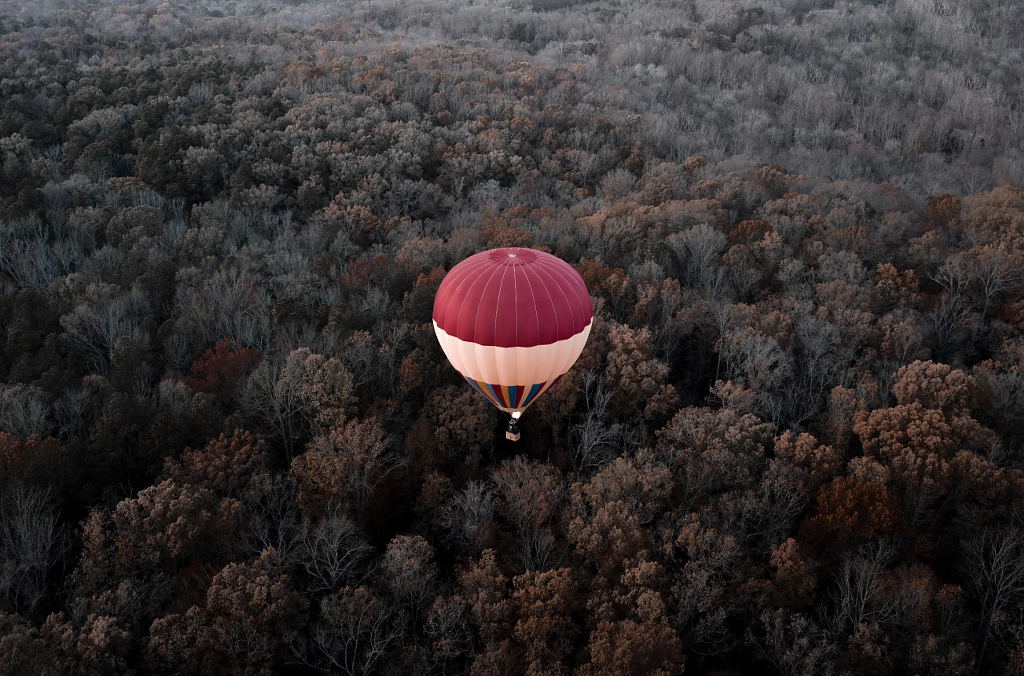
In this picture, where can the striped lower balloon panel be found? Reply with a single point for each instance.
(512, 397)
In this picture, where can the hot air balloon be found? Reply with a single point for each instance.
(512, 321)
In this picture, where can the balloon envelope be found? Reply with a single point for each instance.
(512, 321)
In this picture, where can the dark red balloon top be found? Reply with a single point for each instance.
(512, 298)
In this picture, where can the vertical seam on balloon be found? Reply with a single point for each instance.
(494, 395)
(515, 306)
(533, 296)
(534, 389)
(484, 264)
(477, 387)
(472, 281)
(552, 273)
(494, 340)
(497, 303)
(540, 280)
(555, 271)
(559, 320)
(527, 268)
(465, 277)
(555, 366)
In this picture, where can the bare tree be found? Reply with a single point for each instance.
(792, 643)
(591, 441)
(821, 364)
(950, 318)
(724, 317)
(372, 458)
(760, 518)
(993, 567)
(700, 587)
(227, 305)
(861, 596)
(331, 550)
(372, 357)
(469, 515)
(272, 395)
(24, 410)
(95, 325)
(70, 411)
(32, 542)
(31, 259)
(272, 516)
(1006, 388)
(352, 634)
(959, 277)
(449, 635)
(758, 362)
(995, 272)
(410, 574)
(696, 249)
(104, 265)
(530, 495)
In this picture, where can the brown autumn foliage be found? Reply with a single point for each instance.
(928, 443)
(28, 458)
(225, 465)
(221, 370)
(794, 576)
(485, 589)
(346, 465)
(851, 512)
(544, 627)
(463, 425)
(249, 613)
(818, 463)
(630, 647)
(230, 441)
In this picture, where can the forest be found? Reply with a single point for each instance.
(230, 442)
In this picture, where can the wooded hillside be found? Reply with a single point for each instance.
(230, 442)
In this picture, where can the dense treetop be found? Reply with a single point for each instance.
(229, 440)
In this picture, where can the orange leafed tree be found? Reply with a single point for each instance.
(224, 465)
(852, 512)
(222, 369)
(346, 465)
